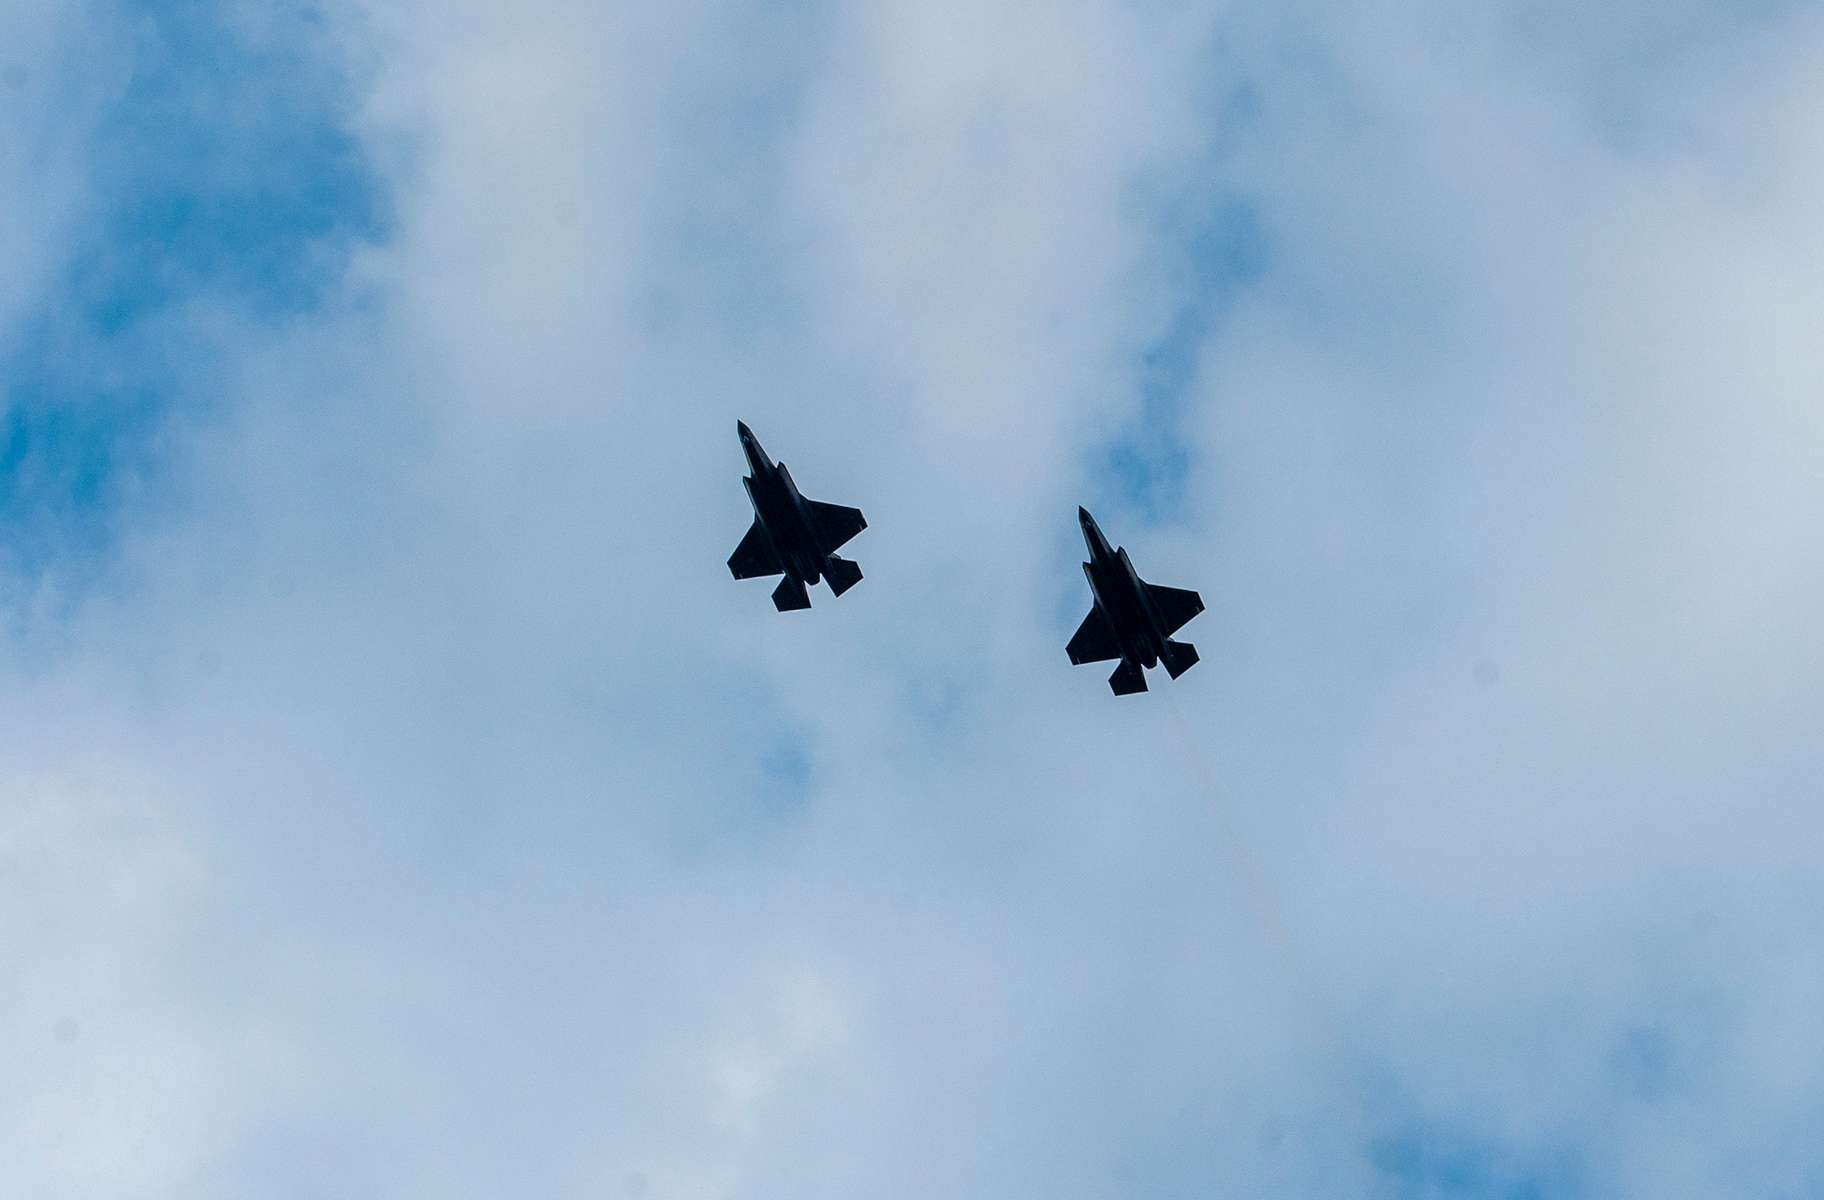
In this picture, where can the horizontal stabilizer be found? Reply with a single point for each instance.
(841, 573)
(790, 595)
(1127, 679)
(835, 524)
(1176, 606)
(755, 555)
(1093, 641)
(1179, 657)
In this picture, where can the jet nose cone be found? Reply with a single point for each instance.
(747, 435)
(1092, 533)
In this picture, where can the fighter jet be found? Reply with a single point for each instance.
(792, 536)
(1131, 619)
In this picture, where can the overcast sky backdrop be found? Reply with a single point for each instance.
(398, 799)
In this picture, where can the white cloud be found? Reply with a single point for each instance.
(58, 67)
(442, 852)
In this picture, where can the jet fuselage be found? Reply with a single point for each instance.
(1118, 592)
(781, 511)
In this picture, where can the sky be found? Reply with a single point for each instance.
(398, 799)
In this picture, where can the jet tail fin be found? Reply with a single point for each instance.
(790, 595)
(1127, 679)
(1179, 657)
(841, 573)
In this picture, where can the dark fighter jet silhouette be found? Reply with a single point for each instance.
(792, 536)
(1131, 620)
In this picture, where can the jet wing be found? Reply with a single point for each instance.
(755, 556)
(1176, 605)
(835, 524)
(1093, 641)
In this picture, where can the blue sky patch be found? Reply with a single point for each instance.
(1432, 1161)
(1221, 246)
(227, 174)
